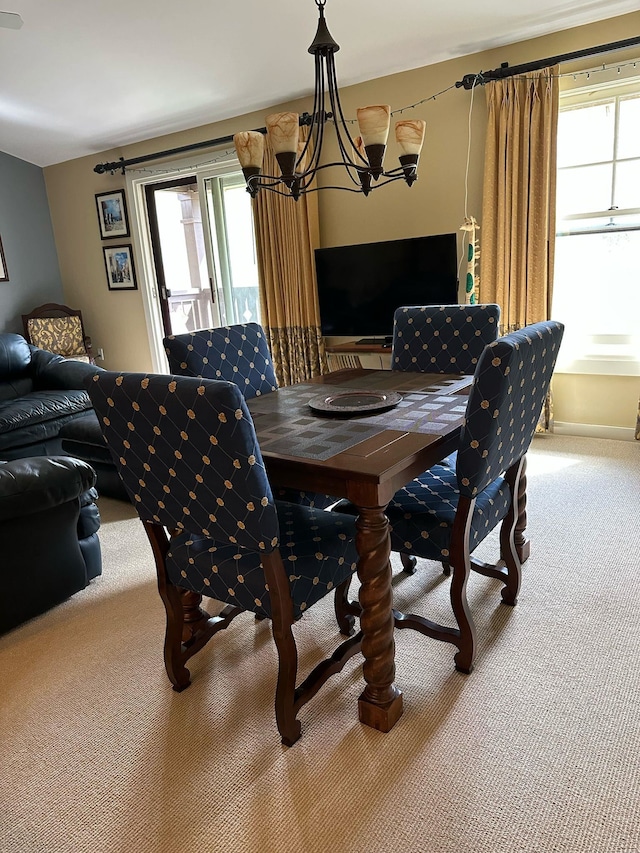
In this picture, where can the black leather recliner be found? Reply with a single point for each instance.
(49, 546)
(39, 393)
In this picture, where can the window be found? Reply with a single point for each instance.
(597, 263)
(229, 207)
(195, 235)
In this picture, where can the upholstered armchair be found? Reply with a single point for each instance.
(441, 339)
(188, 455)
(58, 329)
(239, 354)
(444, 514)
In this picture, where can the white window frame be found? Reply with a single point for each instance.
(141, 237)
(612, 83)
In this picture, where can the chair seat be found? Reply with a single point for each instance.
(232, 574)
(422, 513)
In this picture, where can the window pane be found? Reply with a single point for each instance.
(627, 192)
(243, 268)
(587, 188)
(629, 127)
(596, 294)
(585, 134)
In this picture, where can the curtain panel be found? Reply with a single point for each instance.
(518, 210)
(287, 233)
(519, 201)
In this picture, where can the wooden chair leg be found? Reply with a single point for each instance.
(509, 548)
(188, 627)
(408, 563)
(281, 623)
(344, 609)
(461, 563)
(174, 659)
(288, 726)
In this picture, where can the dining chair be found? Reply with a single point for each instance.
(441, 339)
(239, 354)
(447, 512)
(58, 329)
(187, 453)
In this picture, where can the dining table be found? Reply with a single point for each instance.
(361, 435)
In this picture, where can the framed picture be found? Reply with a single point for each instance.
(4, 274)
(112, 215)
(121, 274)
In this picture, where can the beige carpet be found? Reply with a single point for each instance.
(537, 750)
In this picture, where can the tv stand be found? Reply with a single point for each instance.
(386, 341)
(350, 353)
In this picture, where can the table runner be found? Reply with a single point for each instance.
(286, 425)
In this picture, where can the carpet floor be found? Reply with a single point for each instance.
(537, 750)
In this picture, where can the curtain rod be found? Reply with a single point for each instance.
(101, 168)
(471, 80)
(467, 82)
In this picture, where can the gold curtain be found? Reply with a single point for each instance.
(286, 234)
(518, 209)
(519, 201)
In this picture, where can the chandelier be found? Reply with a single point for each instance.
(362, 158)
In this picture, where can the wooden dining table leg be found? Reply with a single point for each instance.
(380, 704)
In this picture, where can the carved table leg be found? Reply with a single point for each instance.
(523, 546)
(380, 704)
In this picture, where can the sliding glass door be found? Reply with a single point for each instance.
(203, 250)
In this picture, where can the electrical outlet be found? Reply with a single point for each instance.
(100, 354)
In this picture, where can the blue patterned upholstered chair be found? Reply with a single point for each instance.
(187, 453)
(238, 354)
(445, 513)
(441, 339)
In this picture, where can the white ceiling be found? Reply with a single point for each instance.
(83, 76)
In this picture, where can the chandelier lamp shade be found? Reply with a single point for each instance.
(299, 159)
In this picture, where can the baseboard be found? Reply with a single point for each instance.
(595, 431)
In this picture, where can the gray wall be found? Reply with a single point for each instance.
(27, 239)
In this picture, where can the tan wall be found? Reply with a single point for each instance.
(435, 204)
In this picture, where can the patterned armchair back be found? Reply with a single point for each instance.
(509, 388)
(238, 354)
(61, 335)
(187, 452)
(442, 338)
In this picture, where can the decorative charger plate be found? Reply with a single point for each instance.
(354, 402)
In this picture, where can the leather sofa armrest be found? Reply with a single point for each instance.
(53, 372)
(37, 483)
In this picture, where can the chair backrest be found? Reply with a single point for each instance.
(56, 328)
(238, 354)
(187, 453)
(509, 388)
(442, 338)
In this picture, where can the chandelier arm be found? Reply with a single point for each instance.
(317, 105)
(341, 124)
(388, 181)
(318, 121)
(319, 118)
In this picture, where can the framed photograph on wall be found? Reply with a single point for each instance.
(121, 274)
(4, 274)
(112, 215)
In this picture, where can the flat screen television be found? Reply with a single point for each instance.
(360, 287)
